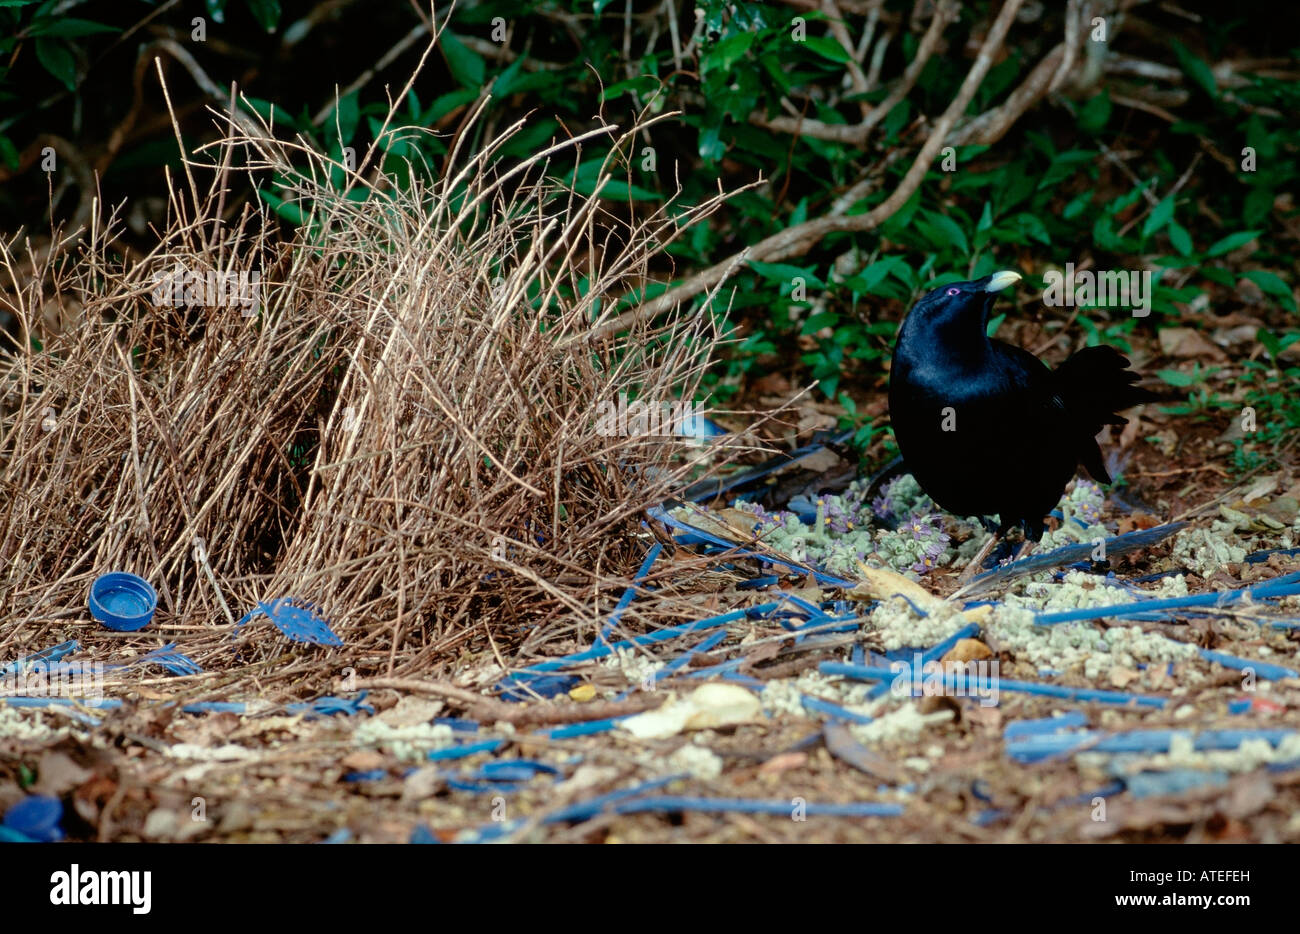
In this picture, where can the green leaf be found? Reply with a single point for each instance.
(1078, 204)
(1272, 284)
(1180, 238)
(1095, 113)
(1196, 69)
(827, 48)
(54, 56)
(727, 52)
(785, 273)
(69, 27)
(1160, 215)
(465, 65)
(1232, 242)
(994, 323)
(266, 12)
(290, 211)
(8, 153)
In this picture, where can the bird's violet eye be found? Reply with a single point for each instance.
(954, 291)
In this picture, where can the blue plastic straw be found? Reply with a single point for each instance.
(1046, 725)
(671, 803)
(833, 710)
(672, 632)
(1266, 670)
(973, 684)
(1068, 554)
(626, 600)
(659, 514)
(1034, 748)
(1284, 586)
(53, 654)
(465, 749)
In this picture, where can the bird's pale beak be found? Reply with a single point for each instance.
(1000, 280)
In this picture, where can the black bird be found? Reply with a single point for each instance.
(985, 427)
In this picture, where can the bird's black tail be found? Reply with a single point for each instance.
(1095, 384)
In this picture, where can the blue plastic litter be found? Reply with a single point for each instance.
(342, 835)
(168, 658)
(300, 620)
(1068, 554)
(465, 750)
(423, 835)
(818, 705)
(1265, 670)
(1149, 742)
(333, 706)
(672, 803)
(1046, 725)
(659, 514)
(122, 602)
(373, 775)
(53, 654)
(525, 687)
(1284, 586)
(36, 817)
(870, 673)
(662, 635)
(626, 599)
(1177, 781)
(713, 487)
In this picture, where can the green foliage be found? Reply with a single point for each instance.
(1086, 179)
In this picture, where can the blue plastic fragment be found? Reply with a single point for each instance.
(1176, 781)
(458, 724)
(672, 803)
(1149, 742)
(514, 770)
(333, 706)
(235, 707)
(528, 687)
(168, 658)
(1068, 554)
(659, 514)
(53, 654)
(626, 599)
(373, 775)
(1265, 670)
(713, 487)
(833, 710)
(1284, 586)
(36, 817)
(300, 620)
(1068, 721)
(662, 635)
(465, 749)
(342, 835)
(589, 728)
(983, 685)
(1259, 557)
(1239, 706)
(422, 834)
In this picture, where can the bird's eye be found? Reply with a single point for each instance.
(954, 291)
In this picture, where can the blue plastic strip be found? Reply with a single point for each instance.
(869, 673)
(625, 601)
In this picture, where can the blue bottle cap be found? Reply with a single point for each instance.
(122, 601)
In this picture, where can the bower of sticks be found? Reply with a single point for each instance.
(408, 589)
